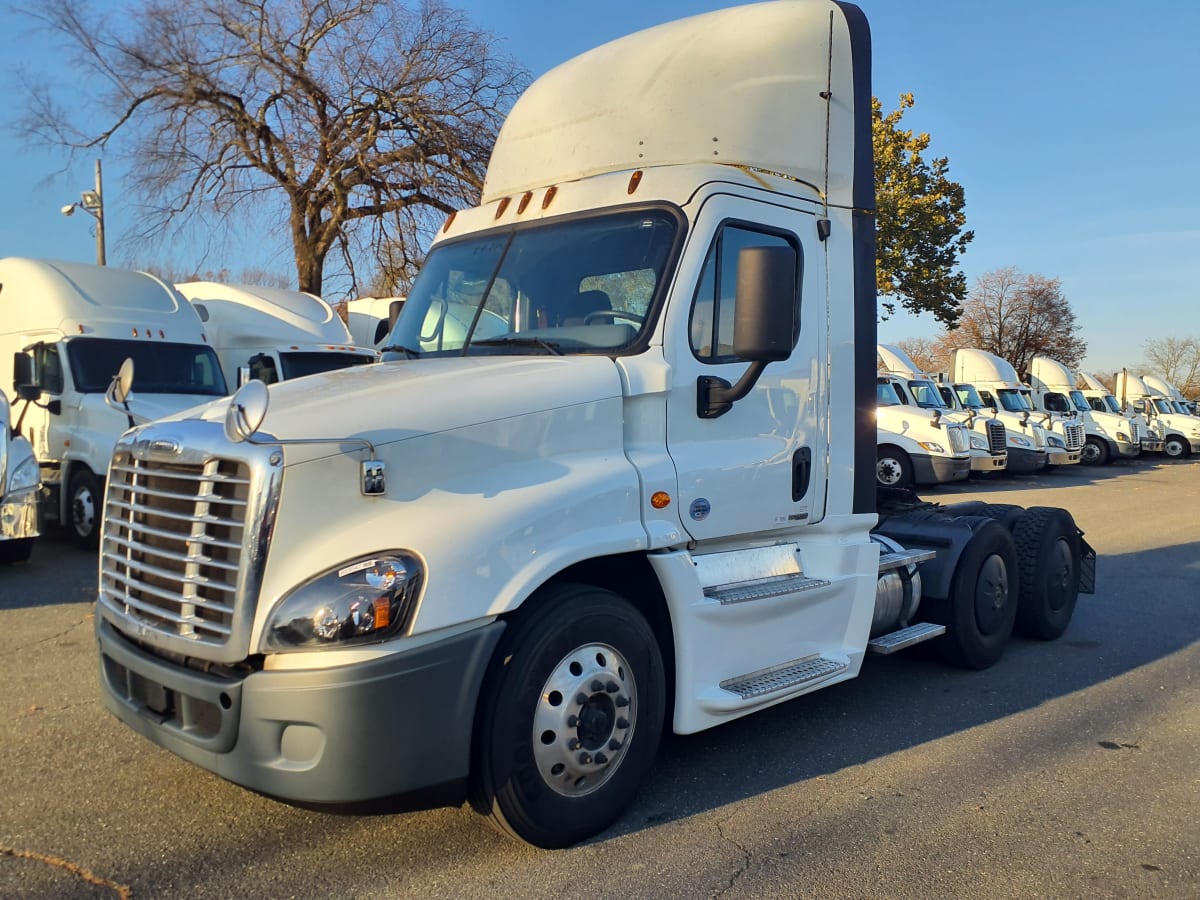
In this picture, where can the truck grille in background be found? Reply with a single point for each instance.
(1074, 434)
(1135, 432)
(996, 435)
(959, 441)
(172, 544)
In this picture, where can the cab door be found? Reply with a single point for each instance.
(759, 468)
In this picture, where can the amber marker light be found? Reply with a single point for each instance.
(525, 198)
(549, 198)
(660, 500)
(449, 221)
(503, 206)
(634, 180)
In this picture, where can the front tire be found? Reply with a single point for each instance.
(1176, 446)
(893, 468)
(1095, 452)
(1048, 543)
(570, 716)
(83, 509)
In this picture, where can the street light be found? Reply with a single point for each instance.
(92, 203)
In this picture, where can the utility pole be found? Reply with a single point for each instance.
(92, 203)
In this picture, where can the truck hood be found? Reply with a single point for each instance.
(397, 401)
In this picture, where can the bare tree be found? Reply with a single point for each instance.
(362, 121)
(926, 353)
(1176, 360)
(1017, 317)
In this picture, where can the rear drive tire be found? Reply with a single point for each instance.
(83, 508)
(1047, 543)
(570, 717)
(982, 606)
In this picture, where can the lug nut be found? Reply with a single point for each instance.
(622, 723)
(573, 744)
(581, 698)
(601, 759)
(614, 744)
(612, 687)
(597, 686)
(585, 758)
(572, 721)
(622, 701)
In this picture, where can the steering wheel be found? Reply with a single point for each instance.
(614, 314)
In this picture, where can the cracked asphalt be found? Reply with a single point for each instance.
(1069, 769)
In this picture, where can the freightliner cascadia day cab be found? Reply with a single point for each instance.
(916, 443)
(505, 565)
(65, 329)
(1180, 433)
(19, 483)
(911, 387)
(1108, 436)
(270, 333)
(1102, 400)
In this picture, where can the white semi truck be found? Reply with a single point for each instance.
(270, 333)
(19, 483)
(65, 329)
(902, 384)
(1109, 435)
(1102, 400)
(502, 567)
(371, 318)
(1180, 433)
(916, 443)
(998, 385)
(1173, 394)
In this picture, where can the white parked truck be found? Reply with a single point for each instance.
(371, 318)
(1109, 436)
(270, 333)
(1179, 403)
(65, 329)
(1102, 400)
(902, 381)
(502, 567)
(999, 387)
(1180, 432)
(916, 442)
(19, 483)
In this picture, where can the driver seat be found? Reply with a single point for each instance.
(578, 308)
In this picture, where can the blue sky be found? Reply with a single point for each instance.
(1072, 126)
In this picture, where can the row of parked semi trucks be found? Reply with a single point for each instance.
(66, 328)
(984, 418)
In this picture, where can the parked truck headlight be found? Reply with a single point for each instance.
(1123, 438)
(25, 476)
(363, 600)
(1055, 441)
(932, 446)
(978, 442)
(1020, 441)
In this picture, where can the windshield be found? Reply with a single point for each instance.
(886, 393)
(1180, 407)
(296, 365)
(1111, 402)
(926, 394)
(580, 286)
(1013, 400)
(968, 396)
(158, 368)
(1080, 401)
(1162, 405)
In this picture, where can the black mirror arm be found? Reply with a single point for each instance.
(715, 396)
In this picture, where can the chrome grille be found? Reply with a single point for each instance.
(172, 544)
(959, 441)
(1074, 434)
(1135, 432)
(996, 435)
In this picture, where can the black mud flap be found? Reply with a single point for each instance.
(1087, 567)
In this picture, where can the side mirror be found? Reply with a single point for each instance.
(765, 328)
(394, 313)
(243, 375)
(246, 411)
(123, 381)
(24, 378)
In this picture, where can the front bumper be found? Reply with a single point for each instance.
(984, 461)
(19, 517)
(1152, 445)
(345, 734)
(1124, 449)
(940, 469)
(1059, 457)
(1023, 461)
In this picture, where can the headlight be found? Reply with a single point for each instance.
(1056, 442)
(25, 476)
(361, 601)
(932, 446)
(1123, 438)
(978, 441)
(1020, 441)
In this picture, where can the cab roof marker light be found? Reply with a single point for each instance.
(449, 221)
(634, 180)
(503, 206)
(549, 198)
(525, 198)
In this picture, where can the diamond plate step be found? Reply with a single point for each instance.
(905, 637)
(761, 589)
(783, 677)
(894, 560)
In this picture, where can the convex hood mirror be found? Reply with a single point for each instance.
(247, 409)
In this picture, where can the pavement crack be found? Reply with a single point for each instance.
(747, 858)
(122, 891)
(53, 637)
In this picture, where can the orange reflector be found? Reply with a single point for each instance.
(383, 613)
(634, 180)
(134, 330)
(503, 206)
(160, 334)
(449, 221)
(660, 500)
(549, 198)
(528, 195)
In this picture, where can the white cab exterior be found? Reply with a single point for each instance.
(1179, 431)
(1110, 436)
(19, 483)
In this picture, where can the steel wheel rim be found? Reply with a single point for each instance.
(991, 594)
(83, 509)
(585, 717)
(888, 471)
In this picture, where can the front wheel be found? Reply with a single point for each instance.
(1176, 446)
(893, 468)
(570, 717)
(1095, 452)
(83, 509)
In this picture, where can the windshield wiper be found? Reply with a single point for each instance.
(409, 352)
(518, 341)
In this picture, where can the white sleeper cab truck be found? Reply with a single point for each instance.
(371, 318)
(998, 386)
(1177, 401)
(1108, 436)
(65, 329)
(506, 565)
(270, 333)
(916, 388)
(1180, 433)
(19, 483)
(917, 444)
(1101, 400)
